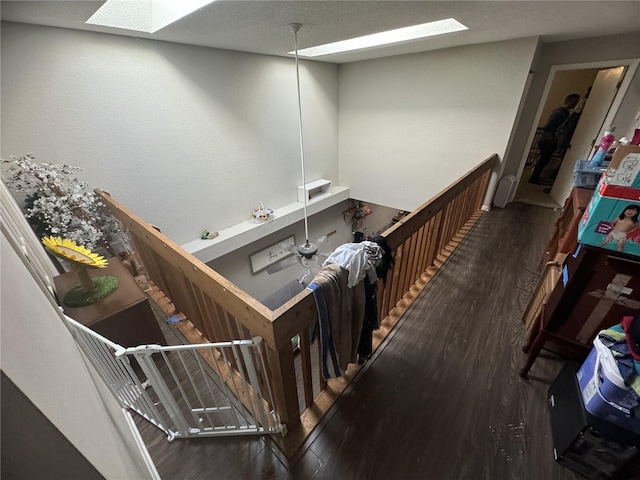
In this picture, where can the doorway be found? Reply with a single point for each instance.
(563, 83)
(605, 84)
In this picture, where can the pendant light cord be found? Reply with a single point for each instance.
(304, 182)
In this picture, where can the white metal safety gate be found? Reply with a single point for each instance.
(187, 390)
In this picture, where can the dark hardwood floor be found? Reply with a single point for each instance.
(441, 398)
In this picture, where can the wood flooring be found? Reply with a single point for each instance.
(534, 194)
(441, 399)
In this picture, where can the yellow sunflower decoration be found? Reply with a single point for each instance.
(72, 252)
(80, 258)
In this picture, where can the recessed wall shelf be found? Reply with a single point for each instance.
(314, 191)
(237, 236)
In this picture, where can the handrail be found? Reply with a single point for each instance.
(253, 314)
(220, 311)
(399, 232)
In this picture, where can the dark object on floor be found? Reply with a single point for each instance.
(586, 444)
(547, 190)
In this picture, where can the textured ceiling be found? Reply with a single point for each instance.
(262, 26)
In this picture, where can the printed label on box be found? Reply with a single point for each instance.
(590, 390)
(634, 236)
(624, 168)
(604, 227)
(610, 221)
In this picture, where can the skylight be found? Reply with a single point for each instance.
(390, 37)
(144, 15)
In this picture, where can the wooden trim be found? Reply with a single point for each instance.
(245, 308)
(421, 242)
(412, 222)
(307, 373)
(285, 392)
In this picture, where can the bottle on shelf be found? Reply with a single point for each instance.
(603, 148)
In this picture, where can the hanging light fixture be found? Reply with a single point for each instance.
(307, 249)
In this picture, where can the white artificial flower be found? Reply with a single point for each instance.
(61, 204)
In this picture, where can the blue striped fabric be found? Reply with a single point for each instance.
(330, 366)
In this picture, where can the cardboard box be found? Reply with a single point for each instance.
(601, 224)
(624, 168)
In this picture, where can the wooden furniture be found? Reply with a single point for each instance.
(597, 288)
(124, 317)
(531, 317)
(565, 234)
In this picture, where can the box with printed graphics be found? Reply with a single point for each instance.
(610, 220)
(624, 168)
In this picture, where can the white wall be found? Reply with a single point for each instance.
(411, 125)
(627, 118)
(236, 266)
(41, 358)
(191, 138)
(187, 137)
(381, 217)
(574, 52)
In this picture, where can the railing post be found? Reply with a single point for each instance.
(283, 373)
(218, 308)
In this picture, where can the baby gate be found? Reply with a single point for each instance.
(187, 390)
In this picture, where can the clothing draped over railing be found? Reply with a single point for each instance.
(216, 310)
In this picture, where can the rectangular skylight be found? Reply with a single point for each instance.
(143, 15)
(390, 37)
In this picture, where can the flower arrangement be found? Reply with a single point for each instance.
(80, 259)
(57, 203)
(262, 215)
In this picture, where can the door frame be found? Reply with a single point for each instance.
(632, 66)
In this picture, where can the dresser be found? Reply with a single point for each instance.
(595, 290)
(124, 317)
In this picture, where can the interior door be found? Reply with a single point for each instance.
(605, 88)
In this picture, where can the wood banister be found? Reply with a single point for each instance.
(219, 310)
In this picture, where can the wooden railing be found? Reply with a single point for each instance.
(217, 310)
